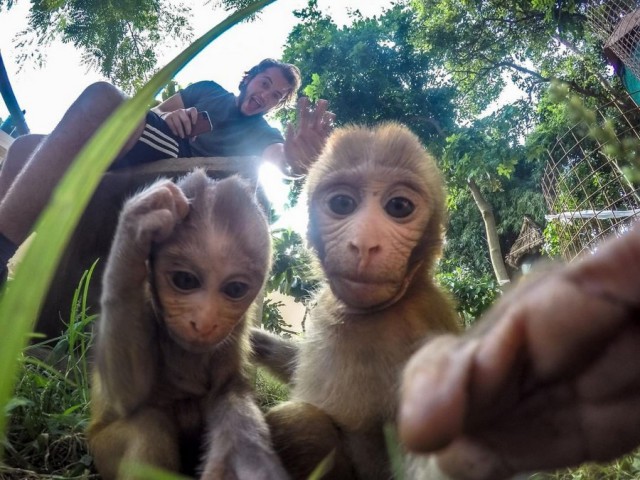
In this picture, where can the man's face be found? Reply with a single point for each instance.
(263, 92)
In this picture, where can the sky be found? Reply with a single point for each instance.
(45, 93)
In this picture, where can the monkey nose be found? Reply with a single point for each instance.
(366, 251)
(203, 327)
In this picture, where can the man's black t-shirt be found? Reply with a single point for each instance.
(233, 134)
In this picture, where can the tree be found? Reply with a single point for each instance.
(370, 71)
(291, 273)
(483, 44)
(486, 163)
(119, 38)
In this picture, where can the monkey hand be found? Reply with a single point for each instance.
(240, 445)
(549, 379)
(152, 215)
(303, 144)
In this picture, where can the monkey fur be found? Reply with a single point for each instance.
(168, 385)
(376, 224)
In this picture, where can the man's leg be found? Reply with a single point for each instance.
(17, 156)
(32, 188)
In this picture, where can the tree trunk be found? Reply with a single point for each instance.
(497, 261)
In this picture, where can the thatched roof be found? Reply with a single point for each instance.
(528, 242)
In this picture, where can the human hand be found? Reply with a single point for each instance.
(181, 121)
(550, 378)
(304, 143)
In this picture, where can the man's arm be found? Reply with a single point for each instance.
(302, 143)
(549, 379)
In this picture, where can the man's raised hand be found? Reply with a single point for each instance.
(304, 142)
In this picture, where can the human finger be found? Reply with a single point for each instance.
(304, 113)
(189, 118)
(179, 122)
(293, 152)
(328, 119)
(318, 113)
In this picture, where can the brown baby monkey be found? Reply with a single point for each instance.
(376, 224)
(169, 386)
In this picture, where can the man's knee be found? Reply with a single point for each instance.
(100, 98)
(103, 90)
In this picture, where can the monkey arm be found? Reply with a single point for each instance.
(278, 355)
(548, 379)
(239, 445)
(126, 345)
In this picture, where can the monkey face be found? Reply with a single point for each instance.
(368, 226)
(376, 211)
(204, 288)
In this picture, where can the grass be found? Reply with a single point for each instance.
(49, 411)
(624, 468)
(269, 390)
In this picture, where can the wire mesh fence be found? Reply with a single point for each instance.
(588, 195)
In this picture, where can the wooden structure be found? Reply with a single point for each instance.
(527, 246)
(93, 235)
(617, 24)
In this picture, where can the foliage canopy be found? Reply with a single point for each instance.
(119, 38)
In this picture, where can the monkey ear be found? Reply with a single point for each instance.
(194, 183)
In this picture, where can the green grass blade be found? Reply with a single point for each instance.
(23, 297)
(394, 450)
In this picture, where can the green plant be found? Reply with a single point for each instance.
(272, 319)
(473, 294)
(269, 390)
(50, 409)
(624, 468)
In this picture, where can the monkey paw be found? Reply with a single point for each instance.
(152, 215)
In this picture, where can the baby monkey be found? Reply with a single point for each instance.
(376, 225)
(169, 386)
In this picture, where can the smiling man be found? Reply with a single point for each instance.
(238, 127)
(235, 127)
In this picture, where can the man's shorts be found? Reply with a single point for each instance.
(157, 142)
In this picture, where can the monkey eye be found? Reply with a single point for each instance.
(342, 204)
(235, 290)
(185, 280)
(399, 207)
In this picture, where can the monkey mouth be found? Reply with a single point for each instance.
(363, 292)
(358, 282)
(368, 281)
(195, 345)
